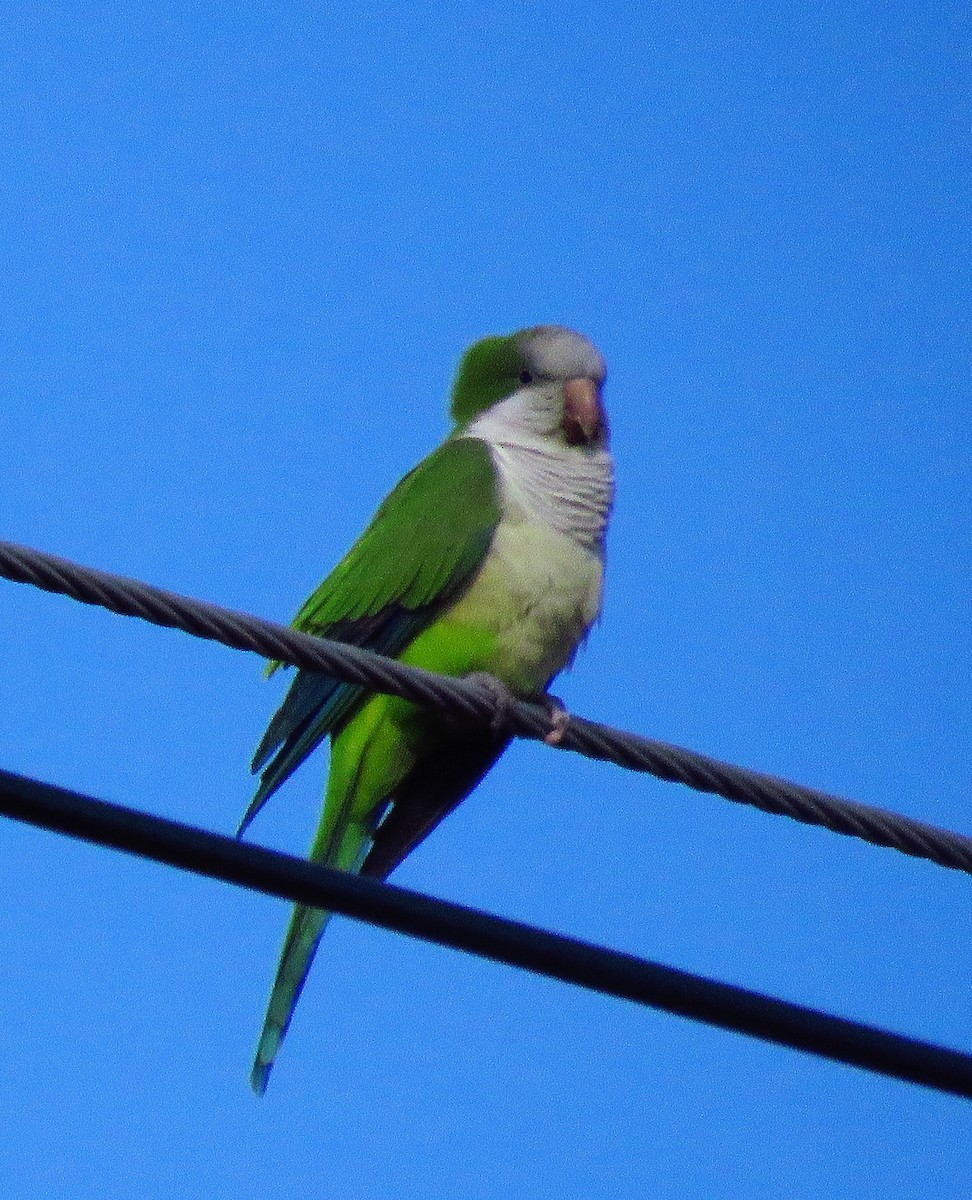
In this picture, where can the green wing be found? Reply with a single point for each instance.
(422, 548)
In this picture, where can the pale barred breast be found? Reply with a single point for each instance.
(569, 490)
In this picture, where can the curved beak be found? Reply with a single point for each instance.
(584, 421)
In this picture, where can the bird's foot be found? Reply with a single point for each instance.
(501, 696)
(559, 718)
(504, 700)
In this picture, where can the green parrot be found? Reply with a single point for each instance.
(487, 559)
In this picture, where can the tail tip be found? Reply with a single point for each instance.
(260, 1077)
(266, 1053)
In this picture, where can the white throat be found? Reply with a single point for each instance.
(568, 488)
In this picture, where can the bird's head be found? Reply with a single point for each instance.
(546, 381)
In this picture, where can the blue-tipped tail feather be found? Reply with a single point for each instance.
(300, 945)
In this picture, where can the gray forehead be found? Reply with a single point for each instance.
(561, 353)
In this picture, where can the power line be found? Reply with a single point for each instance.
(539, 951)
(463, 700)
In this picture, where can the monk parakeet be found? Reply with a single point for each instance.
(487, 558)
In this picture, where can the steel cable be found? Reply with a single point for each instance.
(465, 700)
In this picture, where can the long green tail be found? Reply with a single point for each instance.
(300, 945)
(367, 761)
(340, 843)
(299, 948)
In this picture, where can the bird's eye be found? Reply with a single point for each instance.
(526, 377)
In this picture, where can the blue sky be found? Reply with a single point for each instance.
(242, 252)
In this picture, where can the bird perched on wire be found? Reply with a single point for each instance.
(487, 559)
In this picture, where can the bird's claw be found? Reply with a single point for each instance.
(501, 696)
(504, 700)
(559, 719)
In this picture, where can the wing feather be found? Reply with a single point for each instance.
(424, 545)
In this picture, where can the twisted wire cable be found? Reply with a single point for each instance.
(468, 701)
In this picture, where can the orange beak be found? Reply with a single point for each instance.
(584, 419)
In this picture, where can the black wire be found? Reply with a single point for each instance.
(536, 950)
(466, 701)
